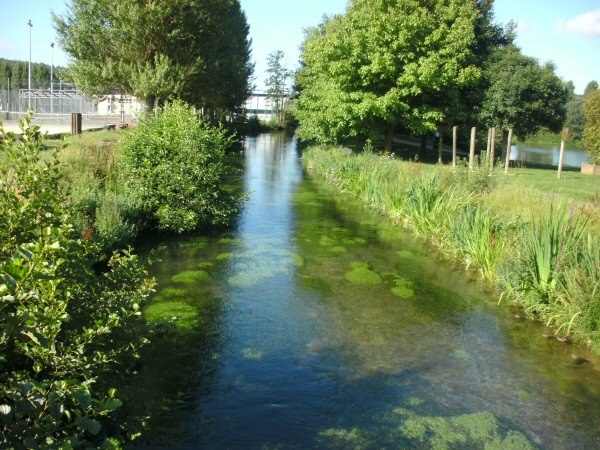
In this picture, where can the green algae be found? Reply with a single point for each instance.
(224, 256)
(252, 355)
(338, 249)
(327, 241)
(340, 438)
(362, 275)
(205, 265)
(402, 287)
(183, 316)
(405, 254)
(191, 277)
(298, 260)
(229, 241)
(461, 354)
(171, 293)
(316, 284)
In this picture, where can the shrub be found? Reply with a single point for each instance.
(591, 133)
(66, 332)
(179, 164)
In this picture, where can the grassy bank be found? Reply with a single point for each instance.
(536, 241)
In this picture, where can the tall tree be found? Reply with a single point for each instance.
(522, 94)
(590, 87)
(196, 50)
(277, 78)
(384, 64)
(591, 133)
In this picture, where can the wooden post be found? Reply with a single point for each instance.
(75, 123)
(440, 145)
(472, 150)
(454, 139)
(563, 141)
(508, 146)
(492, 149)
(487, 149)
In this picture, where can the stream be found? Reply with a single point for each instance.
(315, 323)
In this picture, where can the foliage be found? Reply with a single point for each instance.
(522, 94)
(277, 76)
(105, 204)
(385, 64)
(178, 163)
(17, 71)
(196, 51)
(591, 133)
(67, 333)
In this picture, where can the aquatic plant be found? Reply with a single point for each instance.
(402, 287)
(191, 277)
(182, 316)
(537, 257)
(362, 275)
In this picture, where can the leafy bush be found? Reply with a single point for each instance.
(591, 133)
(179, 164)
(66, 332)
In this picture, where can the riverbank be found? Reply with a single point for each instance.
(537, 246)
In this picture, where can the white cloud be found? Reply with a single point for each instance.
(524, 27)
(587, 23)
(6, 46)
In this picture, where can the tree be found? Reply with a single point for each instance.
(277, 76)
(590, 87)
(384, 64)
(591, 133)
(522, 95)
(197, 51)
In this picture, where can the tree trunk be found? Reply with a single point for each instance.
(150, 102)
(389, 139)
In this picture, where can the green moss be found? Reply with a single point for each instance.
(362, 275)
(183, 316)
(224, 256)
(191, 277)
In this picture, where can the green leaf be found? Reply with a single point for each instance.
(111, 404)
(111, 444)
(83, 397)
(90, 425)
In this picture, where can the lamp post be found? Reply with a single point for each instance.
(52, 81)
(29, 75)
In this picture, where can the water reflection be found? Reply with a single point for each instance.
(289, 351)
(548, 155)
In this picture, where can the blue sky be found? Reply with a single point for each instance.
(564, 31)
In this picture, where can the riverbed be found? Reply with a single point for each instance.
(315, 323)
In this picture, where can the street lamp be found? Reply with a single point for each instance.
(52, 81)
(29, 76)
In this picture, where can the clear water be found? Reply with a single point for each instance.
(268, 343)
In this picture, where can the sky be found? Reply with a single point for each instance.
(566, 32)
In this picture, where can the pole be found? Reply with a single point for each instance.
(563, 141)
(472, 152)
(440, 146)
(8, 98)
(52, 81)
(508, 147)
(487, 150)
(29, 75)
(454, 138)
(492, 149)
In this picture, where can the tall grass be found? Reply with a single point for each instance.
(544, 257)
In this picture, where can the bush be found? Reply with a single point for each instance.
(179, 164)
(66, 332)
(591, 133)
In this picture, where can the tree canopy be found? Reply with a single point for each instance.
(277, 76)
(522, 94)
(385, 64)
(591, 133)
(194, 50)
